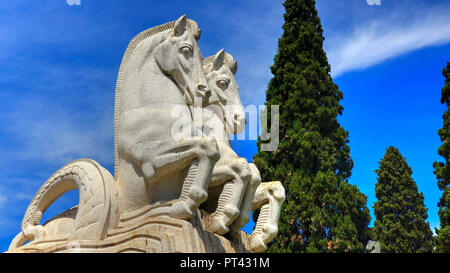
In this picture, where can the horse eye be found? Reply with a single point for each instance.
(186, 49)
(222, 84)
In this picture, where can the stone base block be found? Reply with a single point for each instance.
(148, 230)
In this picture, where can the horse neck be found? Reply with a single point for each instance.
(142, 85)
(150, 86)
(221, 130)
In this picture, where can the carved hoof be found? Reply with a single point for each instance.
(198, 195)
(34, 232)
(29, 233)
(271, 231)
(257, 244)
(217, 224)
(181, 210)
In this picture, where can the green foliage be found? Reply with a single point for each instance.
(442, 170)
(322, 212)
(400, 224)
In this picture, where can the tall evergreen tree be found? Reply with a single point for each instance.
(442, 170)
(322, 212)
(400, 213)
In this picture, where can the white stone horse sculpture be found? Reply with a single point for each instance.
(235, 187)
(161, 69)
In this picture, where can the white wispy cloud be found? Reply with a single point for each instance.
(383, 38)
(58, 120)
(60, 137)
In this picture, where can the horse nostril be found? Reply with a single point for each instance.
(240, 118)
(202, 87)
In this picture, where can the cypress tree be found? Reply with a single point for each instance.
(400, 212)
(442, 171)
(322, 212)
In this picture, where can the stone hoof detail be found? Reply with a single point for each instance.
(30, 233)
(181, 210)
(269, 197)
(216, 224)
(96, 210)
(219, 222)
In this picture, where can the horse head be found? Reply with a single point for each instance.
(220, 70)
(179, 57)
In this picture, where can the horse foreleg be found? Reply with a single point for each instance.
(269, 197)
(202, 154)
(247, 202)
(230, 199)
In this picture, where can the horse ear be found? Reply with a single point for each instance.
(180, 26)
(198, 34)
(219, 58)
(234, 67)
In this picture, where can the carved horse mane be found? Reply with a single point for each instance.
(125, 60)
(229, 60)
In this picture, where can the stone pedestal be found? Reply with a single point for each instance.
(148, 230)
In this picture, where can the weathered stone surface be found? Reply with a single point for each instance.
(148, 230)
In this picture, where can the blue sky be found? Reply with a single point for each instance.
(59, 65)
